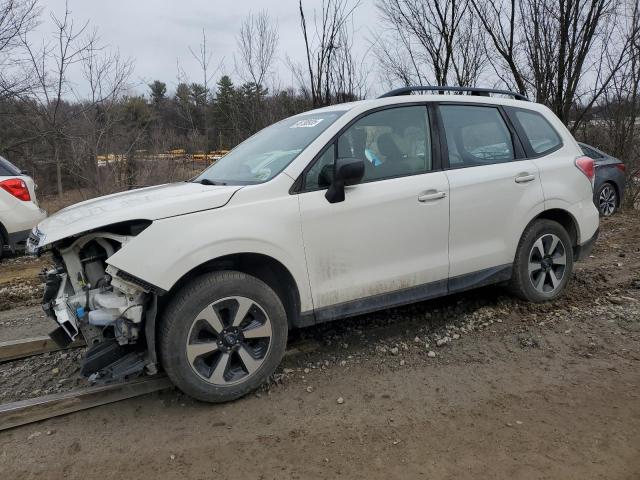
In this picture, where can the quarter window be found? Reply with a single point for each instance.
(540, 134)
(476, 136)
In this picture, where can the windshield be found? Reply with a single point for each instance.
(264, 155)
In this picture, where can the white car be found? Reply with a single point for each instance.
(328, 214)
(19, 210)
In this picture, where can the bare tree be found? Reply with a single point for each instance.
(257, 44)
(106, 75)
(331, 31)
(559, 52)
(441, 42)
(204, 57)
(17, 17)
(48, 66)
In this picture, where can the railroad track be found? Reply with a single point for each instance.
(17, 349)
(32, 410)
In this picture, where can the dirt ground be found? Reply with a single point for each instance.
(477, 385)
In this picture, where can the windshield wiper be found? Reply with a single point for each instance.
(206, 181)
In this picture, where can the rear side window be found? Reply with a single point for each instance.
(476, 136)
(538, 131)
(590, 152)
(7, 169)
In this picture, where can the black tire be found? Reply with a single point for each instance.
(607, 199)
(3, 242)
(523, 283)
(179, 322)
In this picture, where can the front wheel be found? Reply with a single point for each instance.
(543, 263)
(222, 336)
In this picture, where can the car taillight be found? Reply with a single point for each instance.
(587, 166)
(16, 187)
(621, 167)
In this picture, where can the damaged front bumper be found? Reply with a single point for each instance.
(89, 298)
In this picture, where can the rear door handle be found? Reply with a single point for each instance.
(525, 177)
(431, 195)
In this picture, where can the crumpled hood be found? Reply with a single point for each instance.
(151, 203)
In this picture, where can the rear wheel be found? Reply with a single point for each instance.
(607, 199)
(544, 262)
(222, 336)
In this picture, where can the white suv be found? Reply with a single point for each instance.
(325, 215)
(19, 210)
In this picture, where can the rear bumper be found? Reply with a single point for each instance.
(584, 250)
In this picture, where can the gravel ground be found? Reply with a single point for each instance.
(474, 385)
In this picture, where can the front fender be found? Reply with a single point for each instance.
(170, 248)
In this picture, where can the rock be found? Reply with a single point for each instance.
(431, 354)
(287, 371)
(343, 363)
(455, 336)
(402, 363)
(616, 300)
(309, 389)
(417, 340)
(340, 400)
(172, 456)
(394, 351)
(629, 299)
(443, 341)
(306, 370)
(55, 371)
(518, 422)
(34, 435)
(51, 432)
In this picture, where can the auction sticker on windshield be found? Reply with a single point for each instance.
(306, 123)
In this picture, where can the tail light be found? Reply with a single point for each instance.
(587, 166)
(17, 188)
(621, 167)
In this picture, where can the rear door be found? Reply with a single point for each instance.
(494, 192)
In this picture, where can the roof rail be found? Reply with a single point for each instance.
(472, 90)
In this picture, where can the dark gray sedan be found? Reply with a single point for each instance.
(609, 185)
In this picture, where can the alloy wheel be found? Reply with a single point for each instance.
(229, 340)
(547, 263)
(607, 200)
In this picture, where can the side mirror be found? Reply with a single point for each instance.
(348, 171)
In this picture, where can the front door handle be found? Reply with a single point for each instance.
(431, 195)
(525, 177)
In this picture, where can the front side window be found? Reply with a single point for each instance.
(392, 143)
(476, 136)
(540, 134)
(264, 155)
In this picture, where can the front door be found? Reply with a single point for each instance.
(387, 242)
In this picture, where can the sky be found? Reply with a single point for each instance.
(157, 33)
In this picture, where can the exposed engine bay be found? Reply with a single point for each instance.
(90, 299)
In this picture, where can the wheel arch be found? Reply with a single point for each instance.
(564, 218)
(264, 267)
(615, 186)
